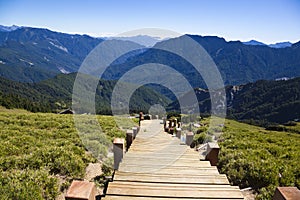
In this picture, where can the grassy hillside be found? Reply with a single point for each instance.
(38, 148)
(254, 157)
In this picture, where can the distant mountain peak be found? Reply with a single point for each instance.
(254, 42)
(281, 45)
(9, 28)
(276, 45)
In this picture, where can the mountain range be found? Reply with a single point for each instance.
(38, 68)
(34, 54)
(261, 103)
(237, 63)
(277, 45)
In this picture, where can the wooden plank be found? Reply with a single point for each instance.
(167, 143)
(182, 180)
(108, 197)
(162, 165)
(165, 162)
(122, 173)
(159, 160)
(158, 155)
(169, 169)
(196, 169)
(157, 192)
(171, 186)
(158, 148)
(161, 154)
(155, 158)
(162, 178)
(150, 160)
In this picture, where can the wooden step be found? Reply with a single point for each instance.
(166, 178)
(169, 170)
(177, 163)
(174, 193)
(108, 197)
(172, 186)
(158, 167)
(163, 154)
(153, 168)
(156, 155)
(157, 159)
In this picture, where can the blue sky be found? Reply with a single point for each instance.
(268, 21)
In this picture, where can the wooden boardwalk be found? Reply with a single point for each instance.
(158, 167)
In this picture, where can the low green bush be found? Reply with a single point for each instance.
(254, 157)
(37, 148)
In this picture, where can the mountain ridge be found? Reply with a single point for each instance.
(276, 45)
(41, 53)
(55, 94)
(260, 103)
(236, 62)
(34, 54)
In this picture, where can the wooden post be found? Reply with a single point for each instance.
(135, 131)
(118, 149)
(189, 138)
(129, 138)
(141, 117)
(166, 126)
(81, 190)
(286, 193)
(212, 153)
(178, 132)
(183, 138)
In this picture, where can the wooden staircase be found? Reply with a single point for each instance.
(158, 167)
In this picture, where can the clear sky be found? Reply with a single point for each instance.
(268, 21)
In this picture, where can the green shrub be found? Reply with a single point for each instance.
(37, 148)
(254, 157)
